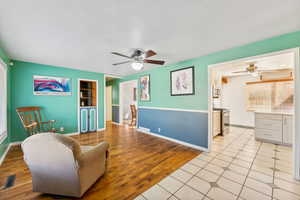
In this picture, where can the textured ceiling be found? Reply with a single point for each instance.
(81, 34)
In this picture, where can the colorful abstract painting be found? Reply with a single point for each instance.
(46, 85)
(145, 88)
(182, 82)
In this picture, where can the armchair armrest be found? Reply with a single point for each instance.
(97, 153)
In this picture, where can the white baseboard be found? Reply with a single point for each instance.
(101, 129)
(4, 155)
(15, 143)
(7, 150)
(173, 140)
(69, 134)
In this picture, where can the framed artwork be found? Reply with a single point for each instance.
(145, 88)
(47, 85)
(182, 81)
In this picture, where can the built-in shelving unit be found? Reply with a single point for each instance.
(88, 106)
(88, 93)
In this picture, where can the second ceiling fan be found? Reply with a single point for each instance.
(138, 58)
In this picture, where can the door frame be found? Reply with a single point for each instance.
(121, 100)
(296, 126)
(78, 102)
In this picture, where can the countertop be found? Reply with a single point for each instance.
(221, 109)
(276, 112)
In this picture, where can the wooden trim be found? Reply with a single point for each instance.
(270, 81)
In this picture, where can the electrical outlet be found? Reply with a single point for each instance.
(62, 129)
(159, 130)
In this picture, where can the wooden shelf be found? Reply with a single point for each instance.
(270, 81)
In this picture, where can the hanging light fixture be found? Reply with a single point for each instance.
(137, 66)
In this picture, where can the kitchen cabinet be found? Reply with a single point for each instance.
(274, 127)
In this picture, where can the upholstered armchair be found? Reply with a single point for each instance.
(59, 165)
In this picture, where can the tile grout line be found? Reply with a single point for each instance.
(274, 167)
(243, 185)
(221, 175)
(214, 158)
(280, 178)
(193, 175)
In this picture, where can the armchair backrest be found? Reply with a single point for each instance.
(52, 157)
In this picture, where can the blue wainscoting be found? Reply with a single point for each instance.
(115, 113)
(186, 126)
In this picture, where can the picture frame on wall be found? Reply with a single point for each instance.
(48, 85)
(145, 88)
(182, 81)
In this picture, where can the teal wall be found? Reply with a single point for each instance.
(115, 90)
(60, 108)
(160, 76)
(5, 143)
(64, 108)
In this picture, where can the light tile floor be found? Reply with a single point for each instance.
(237, 168)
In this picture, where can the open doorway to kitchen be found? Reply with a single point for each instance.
(128, 103)
(252, 114)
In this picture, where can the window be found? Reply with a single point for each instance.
(3, 103)
(276, 95)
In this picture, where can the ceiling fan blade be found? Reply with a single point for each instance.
(120, 63)
(119, 54)
(156, 62)
(240, 71)
(150, 53)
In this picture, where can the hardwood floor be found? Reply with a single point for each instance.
(137, 161)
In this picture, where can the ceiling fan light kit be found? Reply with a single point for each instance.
(137, 66)
(138, 58)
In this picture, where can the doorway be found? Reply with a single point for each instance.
(108, 103)
(111, 100)
(128, 103)
(263, 108)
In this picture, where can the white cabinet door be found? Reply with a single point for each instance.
(287, 129)
(268, 127)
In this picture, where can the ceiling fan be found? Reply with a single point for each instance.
(254, 70)
(138, 58)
